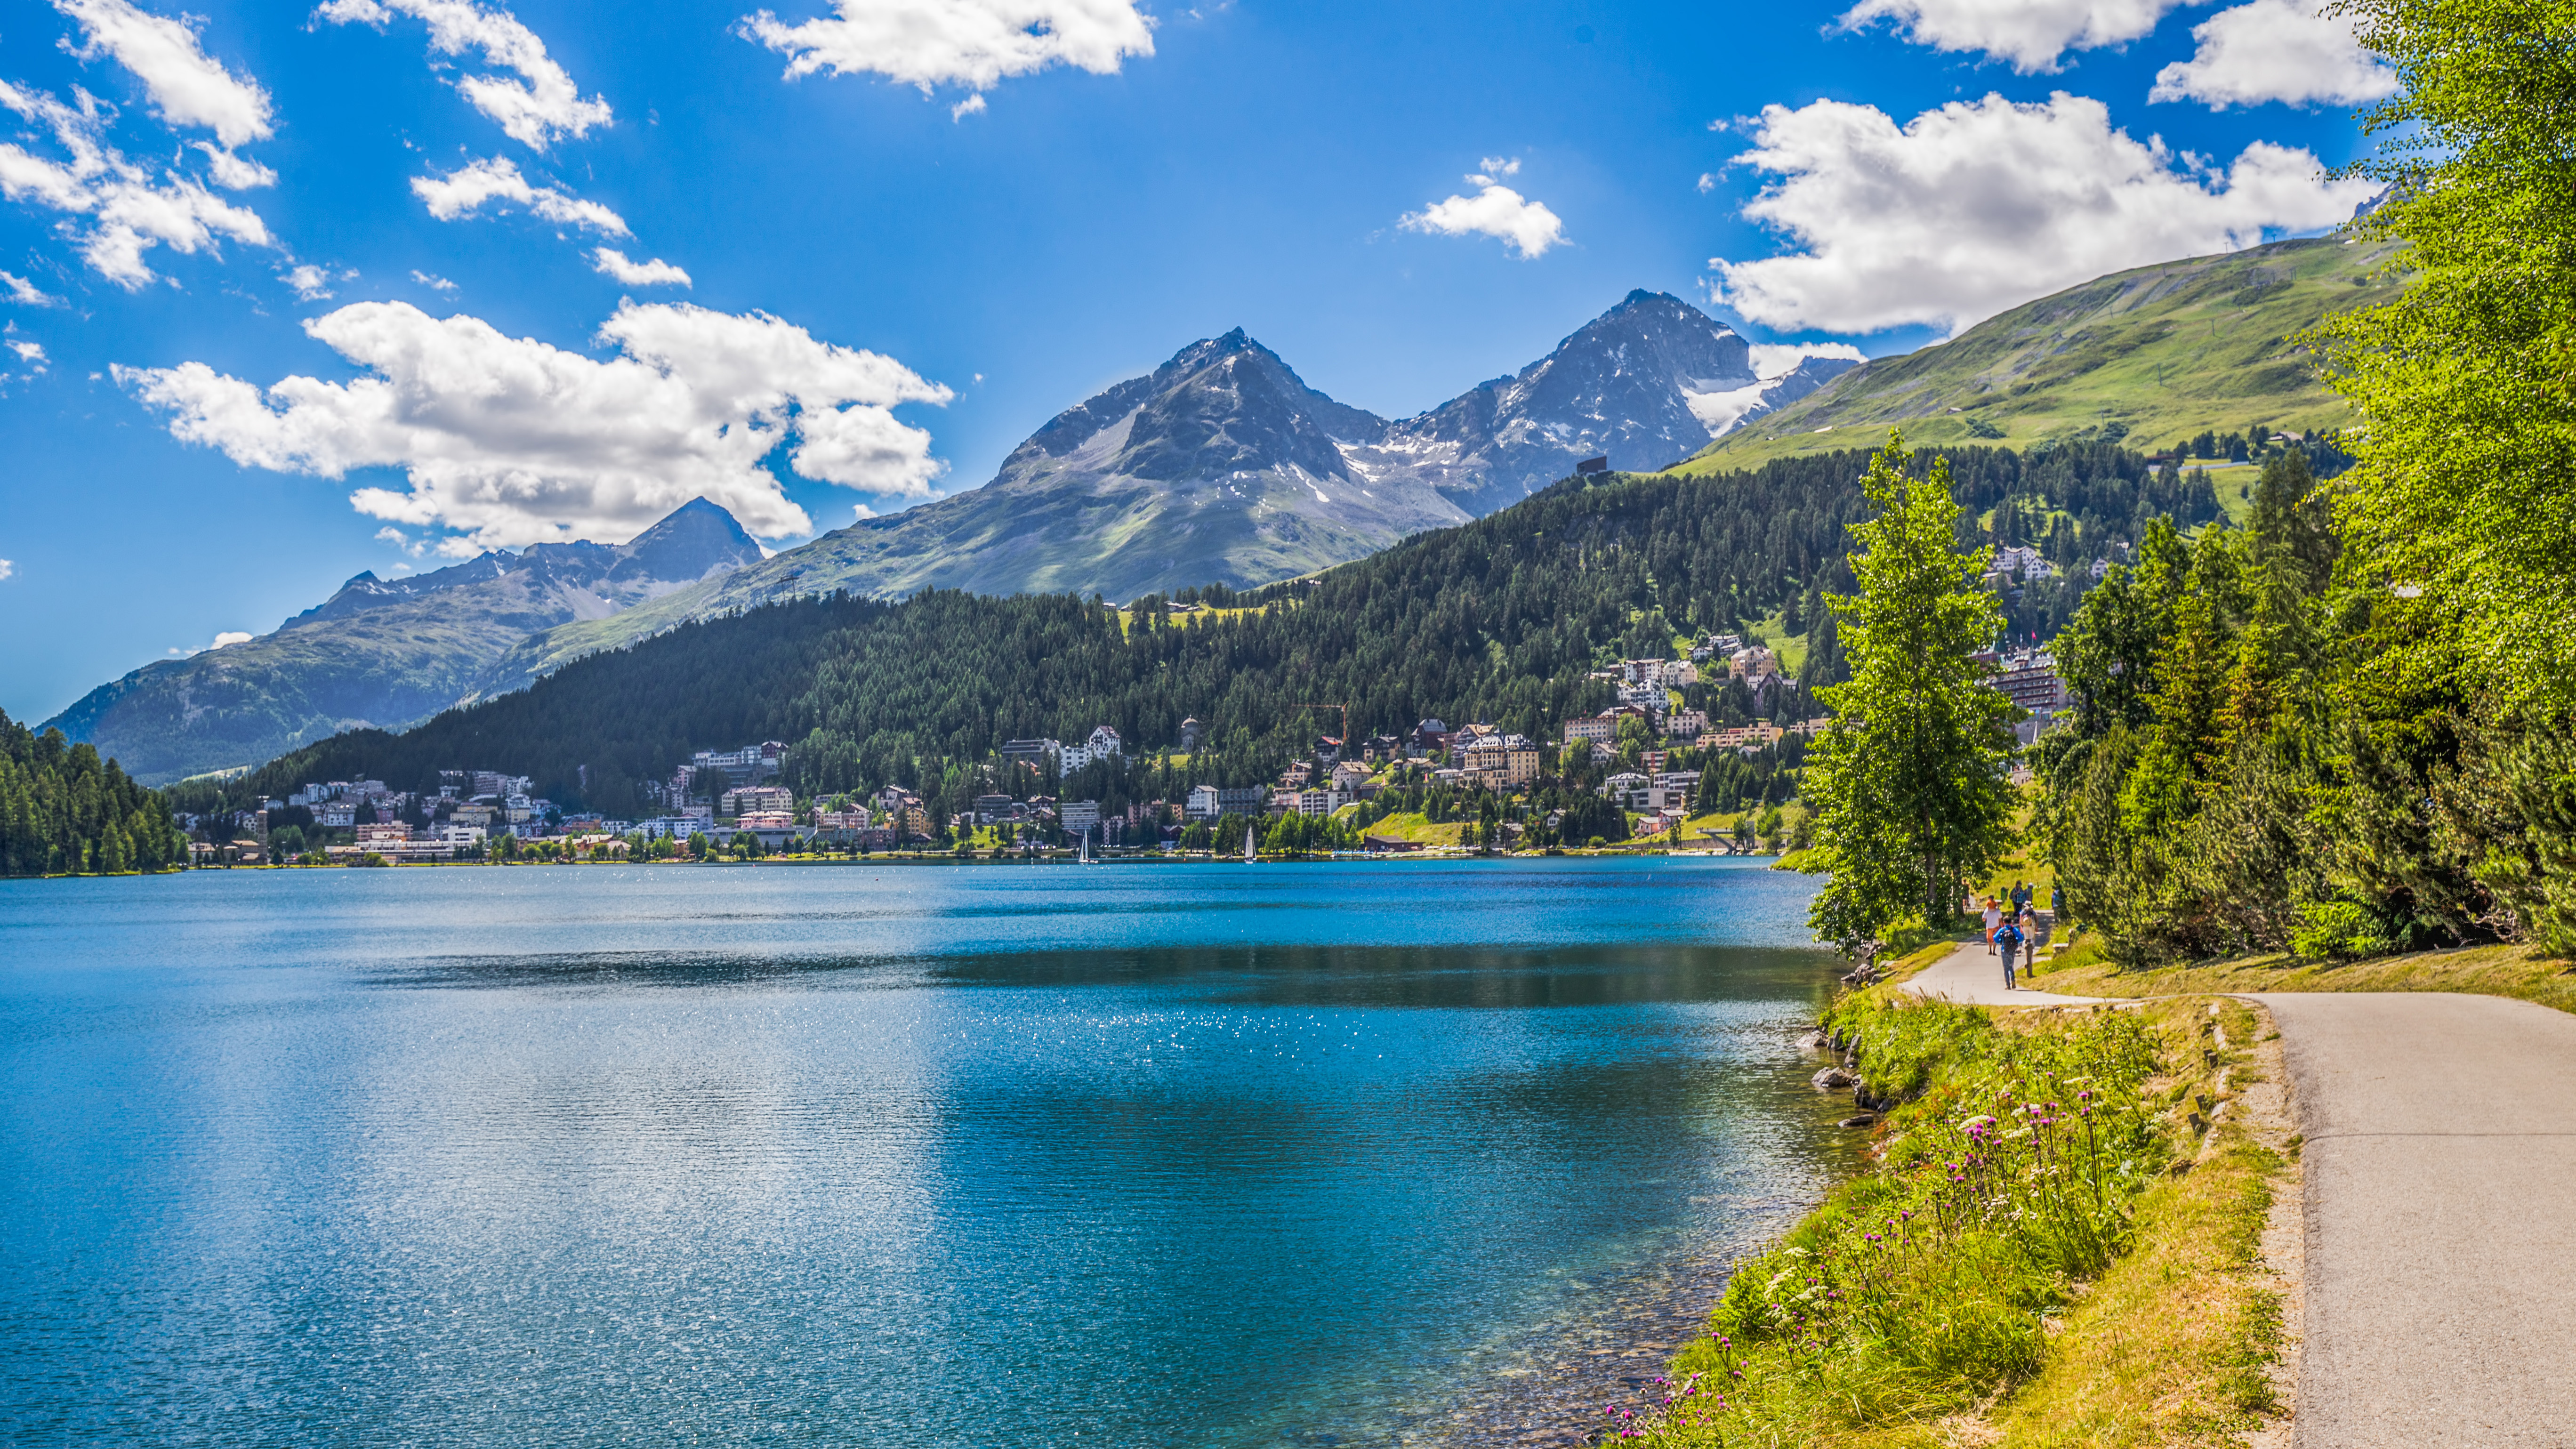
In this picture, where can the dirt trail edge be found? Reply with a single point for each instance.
(2441, 1219)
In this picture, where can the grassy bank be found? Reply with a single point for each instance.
(2048, 1252)
(2517, 971)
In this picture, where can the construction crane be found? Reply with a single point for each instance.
(1345, 735)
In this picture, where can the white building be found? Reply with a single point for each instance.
(1102, 745)
(2013, 559)
(760, 798)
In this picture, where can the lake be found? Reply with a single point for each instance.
(1331, 1154)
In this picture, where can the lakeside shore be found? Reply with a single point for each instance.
(1848, 1331)
(944, 858)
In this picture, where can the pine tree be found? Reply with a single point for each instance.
(1908, 785)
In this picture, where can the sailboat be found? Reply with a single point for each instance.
(1085, 858)
(1250, 855)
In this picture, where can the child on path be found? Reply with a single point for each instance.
(2008, 940)
(1994, 918)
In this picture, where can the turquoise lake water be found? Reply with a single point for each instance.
(1318, 1154)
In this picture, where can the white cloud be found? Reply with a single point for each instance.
(1982, 205)
(7, 569)
(971, 106)
(188, 87)
(655, 273)
(462, 192)
(434, 283)
(221, 640)
(1525, 226)
(542, 105)
(2032, 34)
(401, 540)
(128, 214)
(310, 282)
(1778, 359)
(970, 43)
(511, 441)
(32, 353)
(2276, 50)
(24, 293)
(234, 172)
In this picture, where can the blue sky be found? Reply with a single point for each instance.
(955, 224)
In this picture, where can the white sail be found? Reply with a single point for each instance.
(1249, 854)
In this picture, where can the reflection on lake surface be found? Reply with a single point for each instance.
(1326, 1154)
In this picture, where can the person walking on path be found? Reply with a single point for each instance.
(2008, 939)
(1994, 918)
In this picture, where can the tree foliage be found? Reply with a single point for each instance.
(64, 811)
(2468, 467)
(1908, 786)
(2343, 730)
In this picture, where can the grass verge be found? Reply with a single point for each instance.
(2044, 1255)
(2516, 971)
(2173, 1345)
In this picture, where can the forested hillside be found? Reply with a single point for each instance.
(1501, 619)
(63, 811)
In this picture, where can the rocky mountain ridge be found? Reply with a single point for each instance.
(387, 652)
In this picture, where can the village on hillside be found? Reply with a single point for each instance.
(1651, 770)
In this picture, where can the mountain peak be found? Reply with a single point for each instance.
(697, 516)
(1208, 351)
(695, 539)
(1619, 386)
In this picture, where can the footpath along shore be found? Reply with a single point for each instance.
(2440, 1209)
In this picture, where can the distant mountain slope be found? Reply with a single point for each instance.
(1623, 386)
(385, 652)
(1223, 466)
(1220, 466)
(1723, 412)
(2163, 352)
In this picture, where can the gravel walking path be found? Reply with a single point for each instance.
(1970, 977)
(2440, 1233)
(2441, 1219)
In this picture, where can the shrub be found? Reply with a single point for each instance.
(2338, 930)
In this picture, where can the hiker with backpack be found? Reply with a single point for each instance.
(2008, 940)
